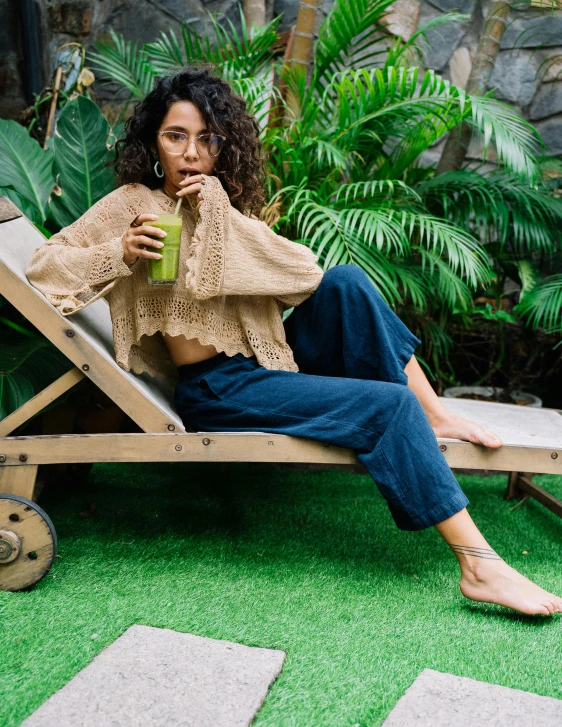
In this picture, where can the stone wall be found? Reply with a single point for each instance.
(86, 21)
(528, 69)
(528, 73)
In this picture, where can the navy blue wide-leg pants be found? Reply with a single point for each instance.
(350, 391)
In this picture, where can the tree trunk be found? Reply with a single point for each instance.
(254, 12)
(304, 33)
(458, 140)
(301, 51)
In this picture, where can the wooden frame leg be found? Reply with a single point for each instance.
(56, 421)
(19, 481)
(513, 491)
(521, 484)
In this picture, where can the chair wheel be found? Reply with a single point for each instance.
(28, 543)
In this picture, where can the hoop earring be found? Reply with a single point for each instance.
(156, 165)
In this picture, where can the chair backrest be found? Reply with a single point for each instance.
(85, 337)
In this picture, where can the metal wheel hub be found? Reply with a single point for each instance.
(10, 546)
(28, 543)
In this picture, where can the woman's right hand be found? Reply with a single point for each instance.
(137, 236)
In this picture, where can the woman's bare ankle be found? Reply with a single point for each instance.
(477, 564)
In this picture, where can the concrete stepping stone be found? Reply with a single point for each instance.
(442, 700)
(155, 677)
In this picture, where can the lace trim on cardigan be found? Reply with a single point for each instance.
(205, 264)
(177, 316)
(67, 303)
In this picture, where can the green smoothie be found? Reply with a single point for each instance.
(165, 270)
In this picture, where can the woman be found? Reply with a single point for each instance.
(341, 370)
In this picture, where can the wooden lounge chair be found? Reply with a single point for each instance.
(533, 437)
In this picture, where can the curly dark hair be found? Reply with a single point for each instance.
(239, 166)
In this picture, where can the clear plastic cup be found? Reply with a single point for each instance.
(165, 270)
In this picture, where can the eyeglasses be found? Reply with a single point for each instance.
(176, 142)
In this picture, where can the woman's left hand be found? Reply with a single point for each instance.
(192, 185)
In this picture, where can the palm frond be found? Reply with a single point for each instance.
(324, 226)
(324, 152)
(125, 63)
(167, 54)
(394, 232)
(412, 285)
(527, 275)
(259, 93)
(347, 21)
(515, 140)
(463, 253)
(446, 286)
(235, 55)
(374, 189)
(418, 136)
(380, 270)
(542, 306)
(391, 102)
(293, 77)
(498, 207)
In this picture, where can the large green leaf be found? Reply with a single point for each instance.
(27, 365)
(23, 204)
(81, 155)
(25, 167)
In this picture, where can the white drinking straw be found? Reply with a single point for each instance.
(181, 198)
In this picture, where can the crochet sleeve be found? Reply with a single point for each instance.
(232, 254)
(83, 261)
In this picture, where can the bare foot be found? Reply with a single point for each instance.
(454, 427)
(493, 581)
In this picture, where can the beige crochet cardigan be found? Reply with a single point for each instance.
(236, 277)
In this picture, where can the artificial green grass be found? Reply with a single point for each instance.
(309, 562)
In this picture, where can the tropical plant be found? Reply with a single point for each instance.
(53, 188)
(241, 57)
(366, 131)
(82, 153)
(518, 222)
(71, 78)
(26, 171)
(28, 363)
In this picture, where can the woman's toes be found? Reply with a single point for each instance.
(484, 437)
(553, 603)
(490, 439)
(459, 428)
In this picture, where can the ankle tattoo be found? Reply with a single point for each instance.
(486, 553)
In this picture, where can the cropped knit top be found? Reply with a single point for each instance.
(236, 277)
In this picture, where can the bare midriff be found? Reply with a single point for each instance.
(184, 351)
